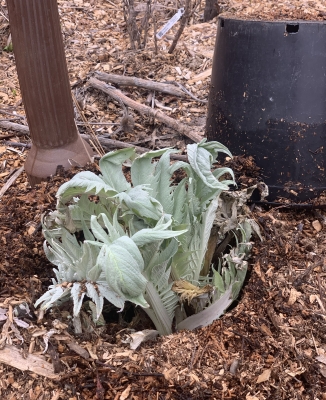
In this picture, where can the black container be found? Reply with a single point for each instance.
(268, 100)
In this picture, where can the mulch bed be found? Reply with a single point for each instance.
(270, 345)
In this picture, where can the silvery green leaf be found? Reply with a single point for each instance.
(98, 320)
(201, 161)
(94, 273)
(111, 168)
(141, 203)
(111, 296)
(142, 169)
(123, 264)
(113, 232)
(204, 234)
(157, 311)
(161, 255)
(82, 183)
(159, 232)
(49, 255)
(70, 245)
(214, 148)
(180, 202)
(218, 281)
(99, 232)
(161, 185)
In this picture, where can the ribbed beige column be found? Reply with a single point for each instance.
(44, 83)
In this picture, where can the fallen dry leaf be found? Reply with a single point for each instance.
(264, 376)
(321, 358)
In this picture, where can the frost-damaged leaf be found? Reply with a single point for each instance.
(137, 338)
(95, 295)
(209, 314)
(112, 297)
(77, 297)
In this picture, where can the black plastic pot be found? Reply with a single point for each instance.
(268, 100)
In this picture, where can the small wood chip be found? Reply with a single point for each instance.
(317, 225)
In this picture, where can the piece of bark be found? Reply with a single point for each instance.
(145, 110)
(10, 181)
(200, 77)
(116, 144)
(141, 83)
(10, 355)
(78, 349)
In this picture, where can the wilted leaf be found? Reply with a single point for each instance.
(321, 358)
(188, 291)
(142, 336)
(264, 376)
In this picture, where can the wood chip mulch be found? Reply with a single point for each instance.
(270, 345)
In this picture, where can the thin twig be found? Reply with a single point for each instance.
(96, 143)
(10, 181)
(145, 110)
(13, 114)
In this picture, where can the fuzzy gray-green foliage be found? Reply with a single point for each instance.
(142, 236)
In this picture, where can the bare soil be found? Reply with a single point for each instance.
(270, 345)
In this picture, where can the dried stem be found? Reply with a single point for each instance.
(183, 23)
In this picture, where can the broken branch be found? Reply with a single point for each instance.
(145, 110)
(141, 83)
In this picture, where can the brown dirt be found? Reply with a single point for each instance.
(264, 348)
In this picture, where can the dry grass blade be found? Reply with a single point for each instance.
(95, 142)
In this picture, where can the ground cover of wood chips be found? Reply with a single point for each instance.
(271, 345)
